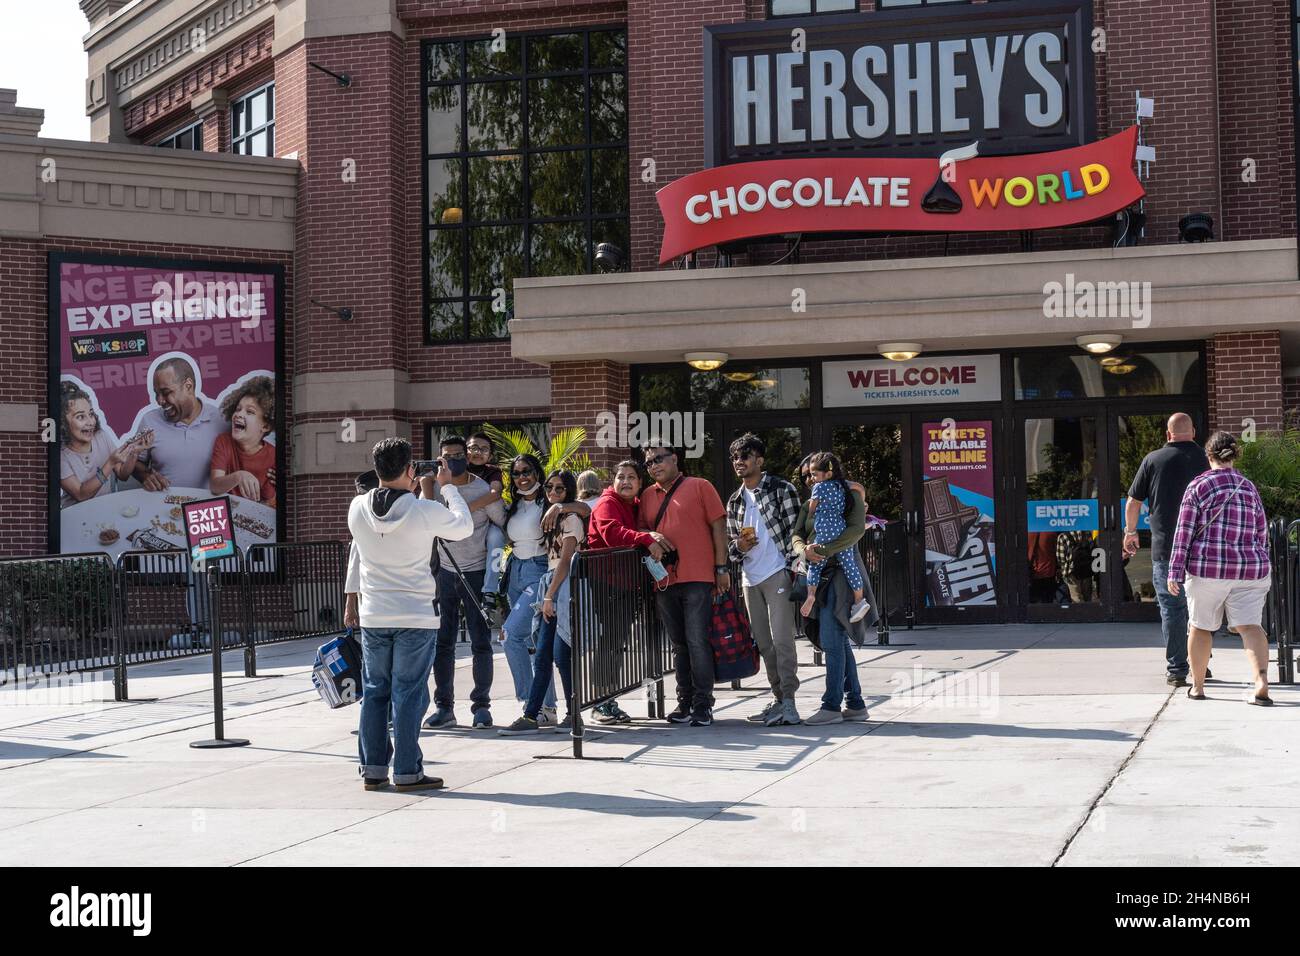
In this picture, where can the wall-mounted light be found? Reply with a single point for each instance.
(343, 313)
(1098, 344)
(900, 351)
(343, 79)
(706, 361)
(1196, 227)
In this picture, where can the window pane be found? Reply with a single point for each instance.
(609, 108)
(559, 249)
(1118, 373)
(486, 323)
(781, 8)
(555, 54)
(555, 112)
(493, 115)
(446, 321)
(555, 181)
(237, 119)
(445, 259)
(257, 115)
(836, 6)
(609, 180)
(496, 187)
(258, 144)
(444, 61)
(444, 119)
(608, 49)
(198, 137)
(483, 60)
(496, 258)
(744, 387)
(444, 192)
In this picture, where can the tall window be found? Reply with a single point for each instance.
(191, 137)
(885, 4)
(526, 169)
(791, 8)
(252, 123)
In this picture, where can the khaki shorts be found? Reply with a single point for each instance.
(1208, 597)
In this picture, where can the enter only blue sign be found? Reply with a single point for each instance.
(1078, 515)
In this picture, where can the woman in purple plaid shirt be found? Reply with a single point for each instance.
(1221, 549)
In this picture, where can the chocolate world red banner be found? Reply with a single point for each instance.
(983, 194)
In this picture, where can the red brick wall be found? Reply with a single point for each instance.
(24, 328)
(579, 390)
(1245, 381)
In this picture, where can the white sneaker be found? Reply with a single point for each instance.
(859, 611)
(824, 716)
(546, 719)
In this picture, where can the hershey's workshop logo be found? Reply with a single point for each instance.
(1016, 76)
(77, 909)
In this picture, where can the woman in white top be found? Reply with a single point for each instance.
(561, 544)
(525, 568)
(88, 459)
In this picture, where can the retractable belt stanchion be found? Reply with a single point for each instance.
(219, 738)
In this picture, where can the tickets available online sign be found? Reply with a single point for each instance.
(949, 194)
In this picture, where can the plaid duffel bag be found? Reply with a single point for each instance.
(735, 655)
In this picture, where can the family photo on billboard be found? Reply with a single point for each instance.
(175, 401)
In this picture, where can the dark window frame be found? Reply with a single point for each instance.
(812, 11)
(475, 424)
(525, 151)
(268, 127)
(172, 141)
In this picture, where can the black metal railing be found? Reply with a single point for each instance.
(618, 645)
(77, 613)
(1283, 608)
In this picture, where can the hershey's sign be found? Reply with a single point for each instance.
(1014, 76)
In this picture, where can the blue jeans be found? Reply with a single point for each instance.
(1173, 620)
(841, 666)
(550, 650)
(522, 593)
(452, 597)
(395, 678)
(496, 542)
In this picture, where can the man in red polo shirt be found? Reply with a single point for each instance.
(692, 528)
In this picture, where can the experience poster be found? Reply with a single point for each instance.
(959, 513)
(165, 388)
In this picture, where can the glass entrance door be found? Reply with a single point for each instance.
(1064, 478)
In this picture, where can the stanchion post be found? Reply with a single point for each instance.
(214, 627)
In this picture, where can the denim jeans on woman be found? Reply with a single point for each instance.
(841, 666)
(522, 592)
(395, 679)
(551, 650)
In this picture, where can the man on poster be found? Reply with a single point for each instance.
(185, 427)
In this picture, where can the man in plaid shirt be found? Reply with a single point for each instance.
(760, 522)
(1220, 550)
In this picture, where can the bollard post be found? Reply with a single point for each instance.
(214, 627)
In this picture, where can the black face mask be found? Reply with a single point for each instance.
(456, 466)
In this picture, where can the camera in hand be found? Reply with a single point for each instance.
(424, 469)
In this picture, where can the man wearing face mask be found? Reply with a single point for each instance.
(470, 557)
(388, 569)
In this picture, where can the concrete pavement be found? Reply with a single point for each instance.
(1031, 745)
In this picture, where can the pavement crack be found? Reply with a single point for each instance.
(1111, 782)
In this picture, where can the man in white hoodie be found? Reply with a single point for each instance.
(393, 535)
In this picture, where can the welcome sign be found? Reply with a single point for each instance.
(925, 380)
(982, 194)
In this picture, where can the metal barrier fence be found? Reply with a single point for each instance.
(618, 644)
(1283, 608)
(75, 613)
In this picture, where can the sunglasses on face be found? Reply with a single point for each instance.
(522, 474)
(557, 489)
(805, 477)
(657, 459)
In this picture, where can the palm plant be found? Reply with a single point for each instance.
(1272, 462)
(563, 451)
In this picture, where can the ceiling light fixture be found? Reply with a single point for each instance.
(706, 361)
(1098, 344)
(900, 351)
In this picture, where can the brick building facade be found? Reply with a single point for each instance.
(1220, 74)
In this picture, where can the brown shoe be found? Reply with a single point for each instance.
(424, 783)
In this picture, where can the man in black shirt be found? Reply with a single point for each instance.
(1160, 481)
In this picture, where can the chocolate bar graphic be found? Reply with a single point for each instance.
(148, 541)
(946, 518)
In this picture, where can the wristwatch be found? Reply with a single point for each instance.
(721, 569)
(1128, 532)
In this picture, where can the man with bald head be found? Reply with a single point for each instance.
(185, 426)
(1160, 481)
